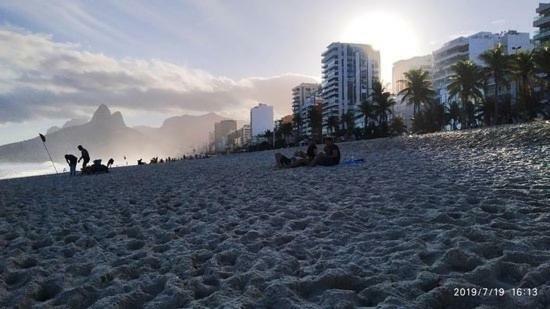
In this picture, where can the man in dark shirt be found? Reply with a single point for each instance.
(330, 156)
(84, 156)
(71, 160)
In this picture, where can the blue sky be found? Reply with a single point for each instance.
(241, 47)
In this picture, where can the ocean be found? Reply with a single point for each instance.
(15, 170)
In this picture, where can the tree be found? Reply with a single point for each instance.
(298, 122)
(418, 89)
(268, 135)
(430, 119)
(541, 56)
(466, 83)
(333, 123)
(453, 113)
(315, 115)
(285, 131)
(497, 65)
(397, 126)
(348, 121)
(383, 103)
(367, 109)
(524, 68)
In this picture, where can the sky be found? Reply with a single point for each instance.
(154, 59)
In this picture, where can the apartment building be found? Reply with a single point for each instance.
(349, 71)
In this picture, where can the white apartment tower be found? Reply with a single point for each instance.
(261, 120)
(300, 93)
(470, 48)
(349, 71)
(303, 96)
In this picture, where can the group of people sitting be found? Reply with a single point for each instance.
(328, 157)
(95, 168)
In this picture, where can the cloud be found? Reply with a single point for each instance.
(43, 78)
(498, 21)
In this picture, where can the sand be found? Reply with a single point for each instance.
(424, 215)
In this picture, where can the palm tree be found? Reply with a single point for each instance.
(348, 120)
(367, 109)
(541, 56)
(524, 68)
(466, 83)
(285, 130)
(383, 103)
(454, 114)
(315, 115)
(333, 123)
(418, 89)
(497, 65)
(397, 126)
(298, 122)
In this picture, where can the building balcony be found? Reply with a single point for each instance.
(542, 35)
(543, 8)
(541, 21)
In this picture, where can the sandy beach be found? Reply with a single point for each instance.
(422, 216)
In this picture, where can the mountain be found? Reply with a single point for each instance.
(69, 123)
(181, 134)
(105, 136)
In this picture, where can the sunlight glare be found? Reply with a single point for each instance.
(389, 33)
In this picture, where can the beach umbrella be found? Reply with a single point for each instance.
(43, 138)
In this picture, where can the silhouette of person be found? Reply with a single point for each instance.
(84, 156)
(110, 162)
(71, 160)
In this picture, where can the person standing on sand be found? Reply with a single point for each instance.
(71, 160)
(330, 156)
(84, 156)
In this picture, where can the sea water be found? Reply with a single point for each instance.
(15, 170)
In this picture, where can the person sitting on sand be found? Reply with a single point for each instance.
(72, 161)
(330, 156)
(300, 158)
(84, 156)
(110, 162)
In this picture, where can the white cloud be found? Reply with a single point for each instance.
(41, 77)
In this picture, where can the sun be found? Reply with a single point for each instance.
(387, 32)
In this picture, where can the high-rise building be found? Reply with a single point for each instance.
(239, 138)
(401, 108)
(300, 93)
(303, 96)
(261, 120)
(402, 66)
(221, 130)
(543, 23)
(349, 71)
(470, 48)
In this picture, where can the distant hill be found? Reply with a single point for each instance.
(106, 136)
(181, 134)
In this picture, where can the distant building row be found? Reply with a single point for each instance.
(349, 71)
(226, 136)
